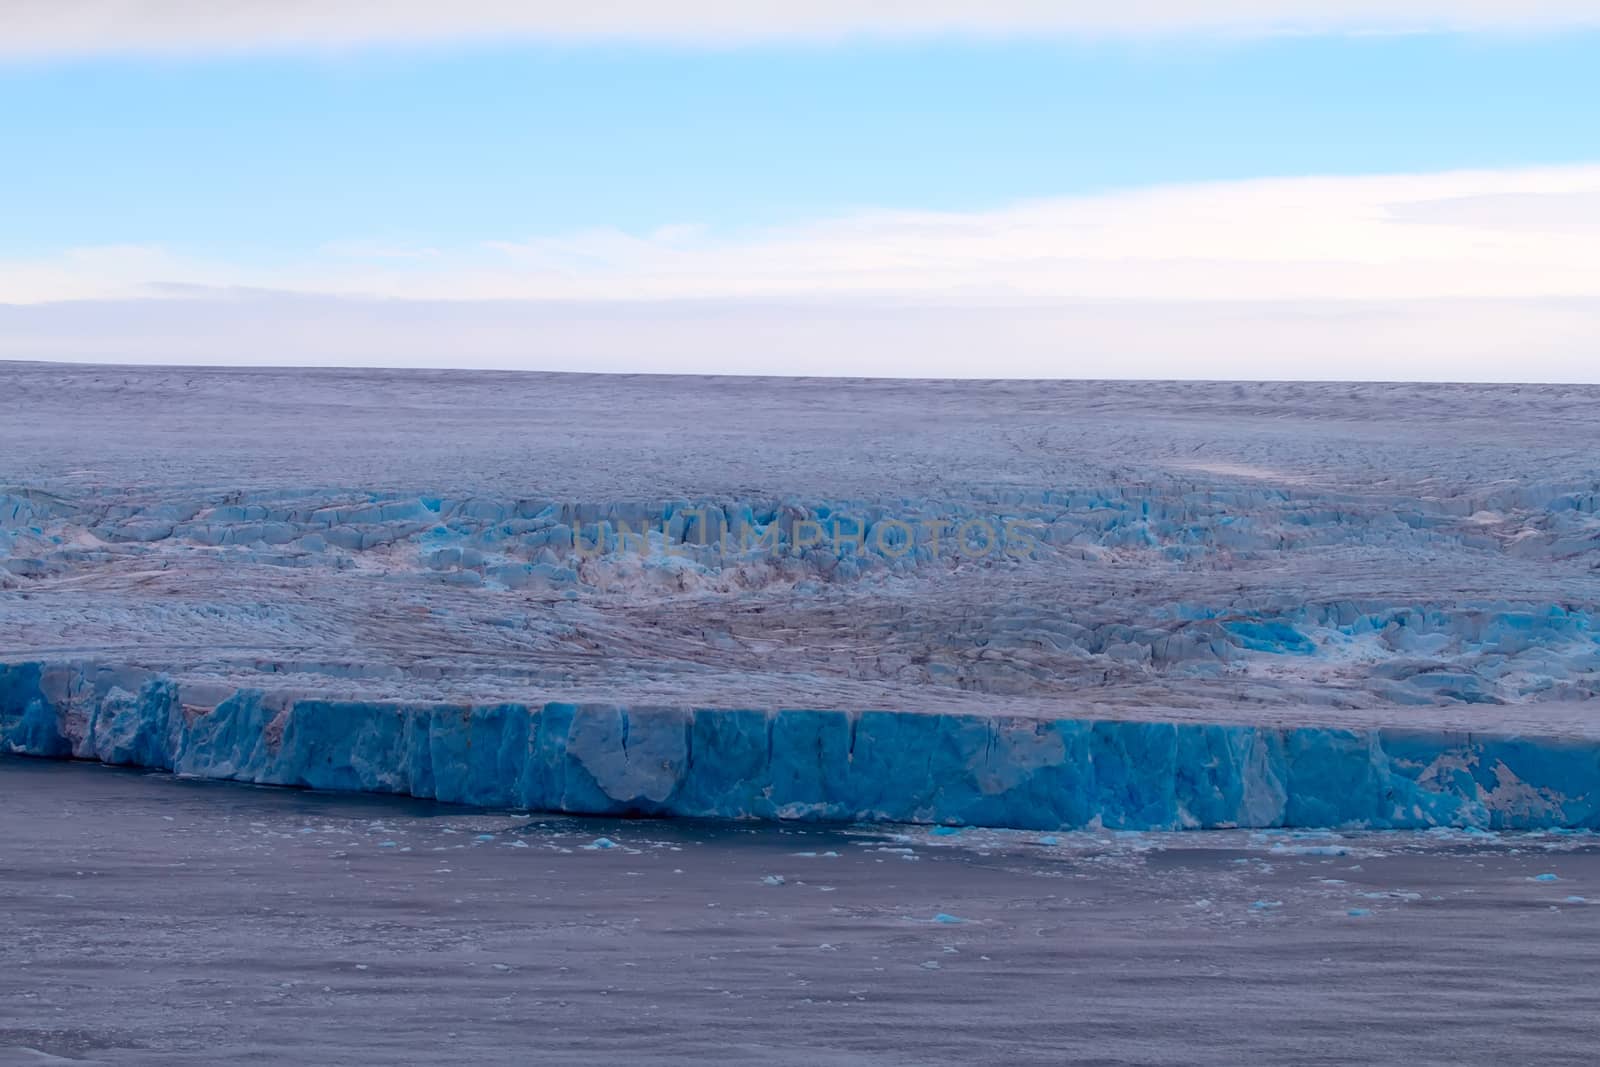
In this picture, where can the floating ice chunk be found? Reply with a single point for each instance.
(1546, 877)
(1309, 850)
(773, 879)
(944, 917)
(600, 844)
(1359, 913)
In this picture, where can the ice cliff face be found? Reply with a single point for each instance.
(994, 770)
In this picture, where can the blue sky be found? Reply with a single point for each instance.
(656, 167)
(267, 153)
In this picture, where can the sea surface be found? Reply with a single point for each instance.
(152, 920)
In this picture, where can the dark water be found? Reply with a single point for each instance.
(153, 921)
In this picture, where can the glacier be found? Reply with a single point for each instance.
(1030, 604)
(985, 770)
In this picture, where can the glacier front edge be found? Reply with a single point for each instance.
(889, 766)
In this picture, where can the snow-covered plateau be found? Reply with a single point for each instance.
(1139, 605)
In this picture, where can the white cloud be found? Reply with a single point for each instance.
(1475, 340)
(1526, 234)
(1471, 275)
(70, 26)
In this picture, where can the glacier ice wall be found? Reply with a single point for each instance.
(808, 764)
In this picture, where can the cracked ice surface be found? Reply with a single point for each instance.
(1269, 558)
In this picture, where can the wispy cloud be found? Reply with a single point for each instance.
(43, 27)
(1464, 275)
(1525, 233)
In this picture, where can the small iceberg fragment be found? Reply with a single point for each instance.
(1309, 850)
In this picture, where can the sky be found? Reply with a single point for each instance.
(1012, 188)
